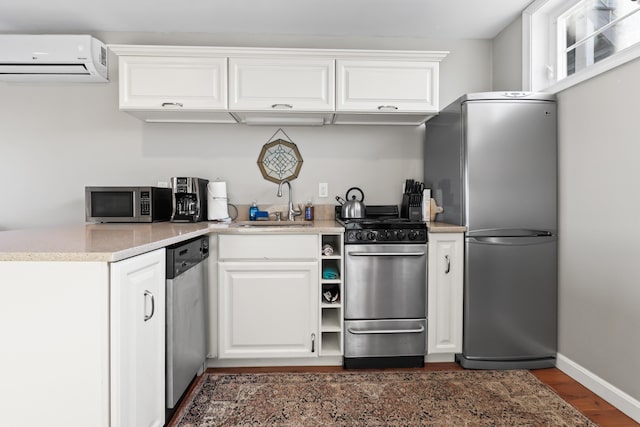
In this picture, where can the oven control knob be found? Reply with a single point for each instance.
(371, 236)
(359, 235)
(413, 235)
(400, 235)
(384, 235)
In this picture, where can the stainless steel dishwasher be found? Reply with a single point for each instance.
(186, 278)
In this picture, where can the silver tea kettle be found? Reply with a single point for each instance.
(352, 208)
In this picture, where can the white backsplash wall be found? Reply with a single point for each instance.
(55, 139)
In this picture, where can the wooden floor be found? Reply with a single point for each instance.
(595, 408)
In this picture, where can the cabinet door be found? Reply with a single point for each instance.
(268, 309)
(387, 86)
(445, 293)
(281, 84)
(173, 83)
(138, 341)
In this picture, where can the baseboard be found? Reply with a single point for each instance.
(604, 389)
(440, 358)
(251, 363)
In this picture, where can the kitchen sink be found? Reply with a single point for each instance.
(272, 224)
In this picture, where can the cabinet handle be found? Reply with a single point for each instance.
(448, 269)
(281, 106)
(172, 104)
(153, 305)
(387, 107)
(313, 343)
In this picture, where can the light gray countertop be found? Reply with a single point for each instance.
(115, 242)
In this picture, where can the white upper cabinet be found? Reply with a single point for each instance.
(284, 87)
(390, 89)
(174, 88)
(278, 86)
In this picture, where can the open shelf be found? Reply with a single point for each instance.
(331, 321)
(331, 317)
(331, 344)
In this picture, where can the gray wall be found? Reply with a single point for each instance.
(507, 58)
(599, 237)
(57, 138)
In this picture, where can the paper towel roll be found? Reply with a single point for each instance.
(217, 189)
(217, 201)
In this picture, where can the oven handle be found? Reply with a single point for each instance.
(386, 331)
(386, 253)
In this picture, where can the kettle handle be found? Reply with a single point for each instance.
(359, 190)
(340, 200)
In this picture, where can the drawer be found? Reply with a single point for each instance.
(385, 338)
(272, 246)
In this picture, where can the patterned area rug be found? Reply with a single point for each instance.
(377, 398)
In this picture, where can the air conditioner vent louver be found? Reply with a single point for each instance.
(65, 58)
(34, 70)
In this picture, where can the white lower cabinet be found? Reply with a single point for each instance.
(268, 296)
(83, 342)
(268, 309)
(138, 341)
(446, 253)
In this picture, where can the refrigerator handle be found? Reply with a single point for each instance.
(513, 240)
(510, 232)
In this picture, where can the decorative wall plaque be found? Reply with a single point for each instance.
(279, 159)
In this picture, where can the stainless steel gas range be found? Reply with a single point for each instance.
(385, 290)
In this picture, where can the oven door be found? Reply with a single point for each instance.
(385, 281)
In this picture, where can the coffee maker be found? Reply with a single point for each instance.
(189, 199)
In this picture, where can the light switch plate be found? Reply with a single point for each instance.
(323, 189)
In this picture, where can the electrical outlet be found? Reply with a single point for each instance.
(323, 189)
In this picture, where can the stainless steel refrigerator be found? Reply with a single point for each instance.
(491, 163)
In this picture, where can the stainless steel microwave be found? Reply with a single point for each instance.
(127, 204)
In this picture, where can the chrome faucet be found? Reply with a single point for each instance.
(293, 213)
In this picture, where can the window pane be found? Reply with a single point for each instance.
(591, 16)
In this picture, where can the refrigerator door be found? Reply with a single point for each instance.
(510, 164)
(510, 312)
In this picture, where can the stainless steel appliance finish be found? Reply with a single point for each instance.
(385, 297)
(491, 162)
(127, 204)
(385, 281)
(185, 316)
(375, 340)
(189, 199)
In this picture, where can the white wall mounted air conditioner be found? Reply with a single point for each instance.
(52, 57)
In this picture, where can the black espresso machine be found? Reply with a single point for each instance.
(189, 199)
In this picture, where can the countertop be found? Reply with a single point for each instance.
(115, 242)
(443, 227)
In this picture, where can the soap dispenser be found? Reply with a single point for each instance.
(253, 210)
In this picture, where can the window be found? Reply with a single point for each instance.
(567, 42)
